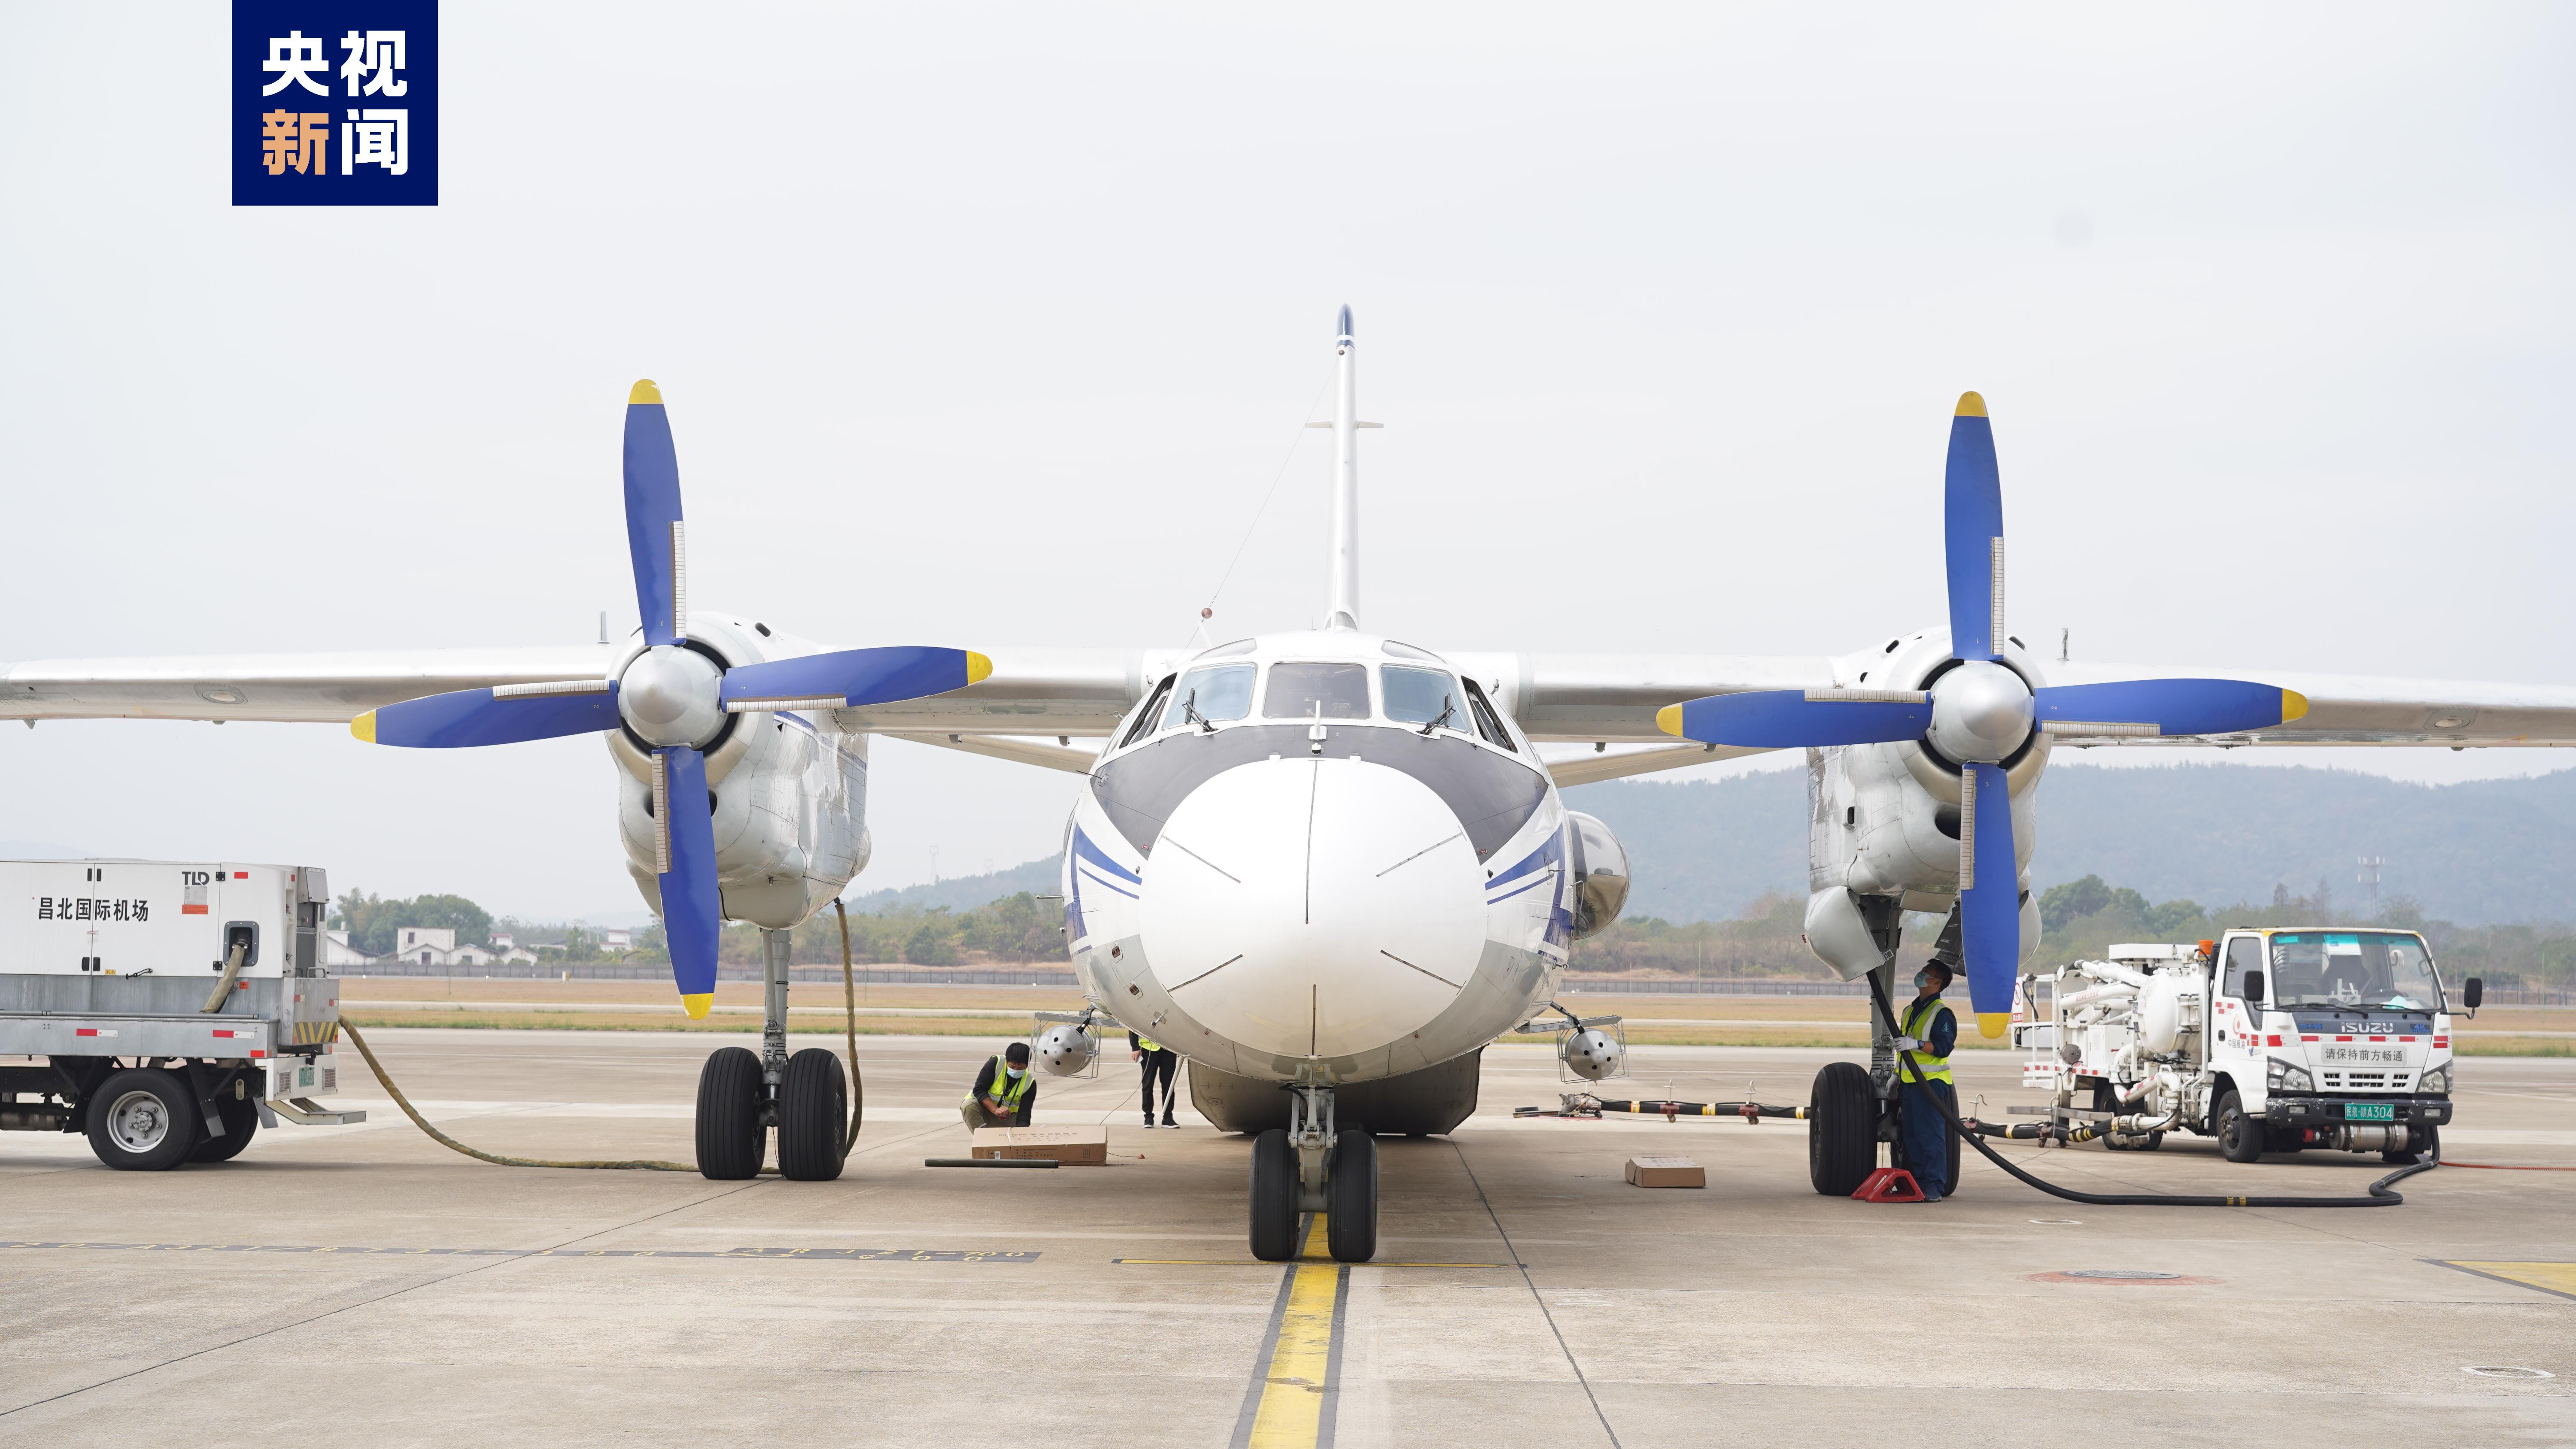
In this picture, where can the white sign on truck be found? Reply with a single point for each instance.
(166, 1009)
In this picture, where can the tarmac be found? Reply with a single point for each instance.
(365, 1284)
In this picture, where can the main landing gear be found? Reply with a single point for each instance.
(741, 1095)
(1312, 1166)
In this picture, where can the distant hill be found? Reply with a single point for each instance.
(965, 892)
(2474, 853)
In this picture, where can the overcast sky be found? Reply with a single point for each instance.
(993, 324)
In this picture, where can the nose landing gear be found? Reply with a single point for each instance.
(1310, 1166)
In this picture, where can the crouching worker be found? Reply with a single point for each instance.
(1930, 1032)
(1004, 1091)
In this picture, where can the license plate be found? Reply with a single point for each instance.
(2370, 1111)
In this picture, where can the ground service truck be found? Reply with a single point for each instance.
(2270, 1040)
(166, 1010)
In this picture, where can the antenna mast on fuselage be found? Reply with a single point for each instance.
(1345, 610)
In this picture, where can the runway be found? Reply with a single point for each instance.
(368, 1280)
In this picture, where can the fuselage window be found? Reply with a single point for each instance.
(1221, 692)
(1488, 723)
(1421, 696)
(1145, 717)
(1317, 691)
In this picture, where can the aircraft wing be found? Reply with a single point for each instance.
(320, 688)
(2348, 709)
(1030, 692)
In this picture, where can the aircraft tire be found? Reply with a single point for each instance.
(1350, 1189)
(1842, 1129)
(1274, 1197)
(240, 1118)
(813, 1107)
(731, 1141)
(143, 1119)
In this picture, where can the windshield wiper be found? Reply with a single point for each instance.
(1190, 713)
(1448, 707)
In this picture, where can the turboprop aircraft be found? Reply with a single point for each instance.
(1326, 866)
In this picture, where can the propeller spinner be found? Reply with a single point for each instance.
(672, 697)
(1979, 712)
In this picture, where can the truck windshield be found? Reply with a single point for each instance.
(2385, 969)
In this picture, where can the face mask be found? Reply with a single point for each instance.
(1922, 979)
(1016, 1072)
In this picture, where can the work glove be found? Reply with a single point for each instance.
(1908, 1044)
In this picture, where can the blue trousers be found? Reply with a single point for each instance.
(1927, 1134)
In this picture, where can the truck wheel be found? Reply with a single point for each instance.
(813, 1109)
(143, 1119)
(1274, 1197)
(1842, 1129)
(240, 1117)
(2107, 1099)
(731, 1141)
(2240, 1137)
(2429, 1144)
(1350, 1187)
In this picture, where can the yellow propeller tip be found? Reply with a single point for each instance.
(1971, 406)
(696, 1004)
(2294, 705)
(978, 667)
(1669, 719)
(364, 726)
(1992, 1023)
(645, 392)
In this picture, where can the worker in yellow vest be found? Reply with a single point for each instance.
(1158, 1061)
(1004, 1091)
(1928, 1031)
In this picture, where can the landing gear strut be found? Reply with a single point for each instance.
(1309, 1166)
(741, 1096)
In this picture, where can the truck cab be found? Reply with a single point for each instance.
(2331, 1037)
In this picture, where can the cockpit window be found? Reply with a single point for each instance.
(1420, 696)
(1145, 717)
(1215, 693)
(1488, 723)
(1317, 691)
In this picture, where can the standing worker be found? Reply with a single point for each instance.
(1004, 1091)
(1929, 1032)
(1159, 1060)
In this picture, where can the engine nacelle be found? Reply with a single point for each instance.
(1600, 875)
(1065, 1049)
(1594, 1055)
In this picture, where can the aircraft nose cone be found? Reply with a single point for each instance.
(668, 695)
(1980, 711)
(1313, 907)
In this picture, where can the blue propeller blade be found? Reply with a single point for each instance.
(2174, 706)
(1785, 718)
(1972, 527)
(470, 717)
(1990, 908)
(652, 511)
(692, 912)
(858, 676)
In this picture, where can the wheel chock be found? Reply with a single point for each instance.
(1889, 1184)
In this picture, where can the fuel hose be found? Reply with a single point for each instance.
(2381, 1194)
(849, 990)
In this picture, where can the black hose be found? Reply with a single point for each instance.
(2381, 1194)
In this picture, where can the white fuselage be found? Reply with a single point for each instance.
(1288, 867)
(790, 792)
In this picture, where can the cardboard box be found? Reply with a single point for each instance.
(1661, 1172)
(1072, 1146)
